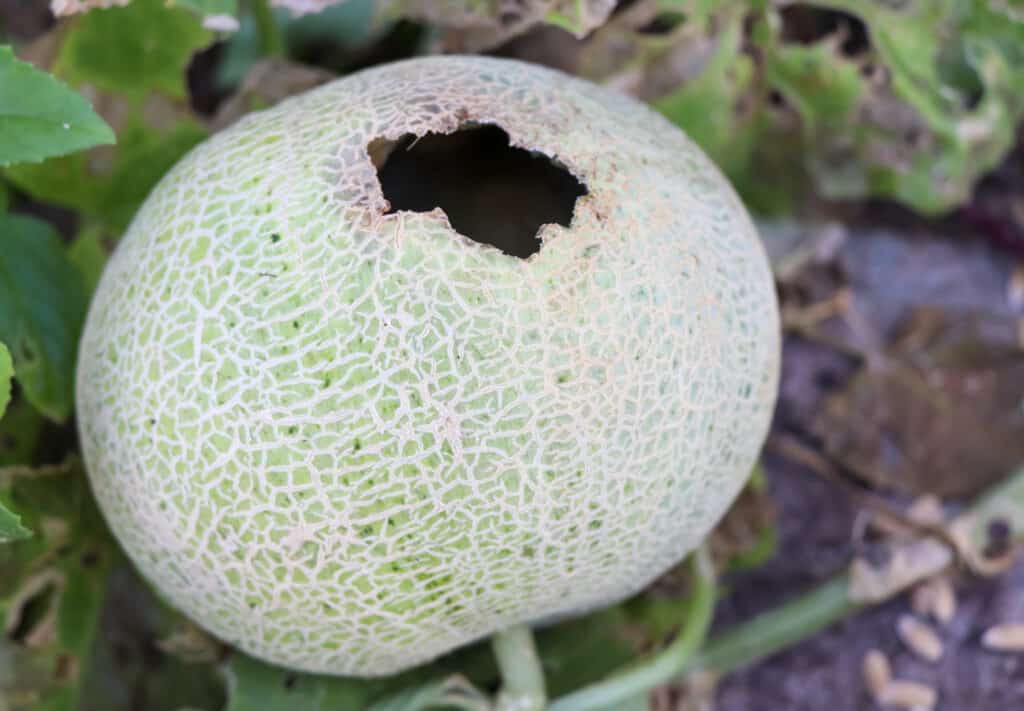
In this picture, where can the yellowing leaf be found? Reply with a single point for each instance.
(142, 47)
(6, 373)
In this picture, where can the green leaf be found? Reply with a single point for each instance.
(20, 429)
(948, 111)
(581, 651)
(42, 306)
(40, 117)
(105, 619)
(255, 686)
(132, 50)
(142, 157)
(28, 676)
(578, 17)
(452, 693)
(123, 668)
(209, 8)
(145, 157)
(89, 256)
(6, 373)
(65, 180)
(10, 527)
(720, 110)
(80, 602)
(823, 87)
(706, 106)
(347, 27)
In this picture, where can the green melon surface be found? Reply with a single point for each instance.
(348, 442)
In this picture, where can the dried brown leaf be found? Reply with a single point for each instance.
(696, 693)
(743, 530)
(31, 587)
(941, 413)
(193, 645)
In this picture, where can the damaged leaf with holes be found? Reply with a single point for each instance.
(840, 98)
(81, 626)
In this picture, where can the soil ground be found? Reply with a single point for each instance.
(890, 270)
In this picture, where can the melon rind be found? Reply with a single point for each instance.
(348, 442)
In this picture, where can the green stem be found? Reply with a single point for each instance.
(795, 621)
(271, 39)
(522, 678)
(662, 667)
(777, 629)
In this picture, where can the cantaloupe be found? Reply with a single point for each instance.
(348, 438)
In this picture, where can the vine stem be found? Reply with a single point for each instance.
(831, 601)
(522, 678)
(664, 666)
(271, 40)
(777, 629)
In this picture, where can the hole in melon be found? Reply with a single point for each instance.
(492, 192)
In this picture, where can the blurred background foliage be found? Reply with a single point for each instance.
(839, 99)
(800, 103)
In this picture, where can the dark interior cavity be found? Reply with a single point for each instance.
(807, 24)
(492, 192)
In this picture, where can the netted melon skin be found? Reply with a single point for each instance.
(348, 442)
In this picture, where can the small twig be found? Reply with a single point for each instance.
(779, 628)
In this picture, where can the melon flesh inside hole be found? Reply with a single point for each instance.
(492, 192)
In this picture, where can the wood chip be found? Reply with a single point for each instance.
(935, 598)
(944, 603)
(909, 695)
(927, 511)
(908, 563)
(922, 598)
(877, 673)
(1015, 288)
(920, 638)
(1007, 637)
